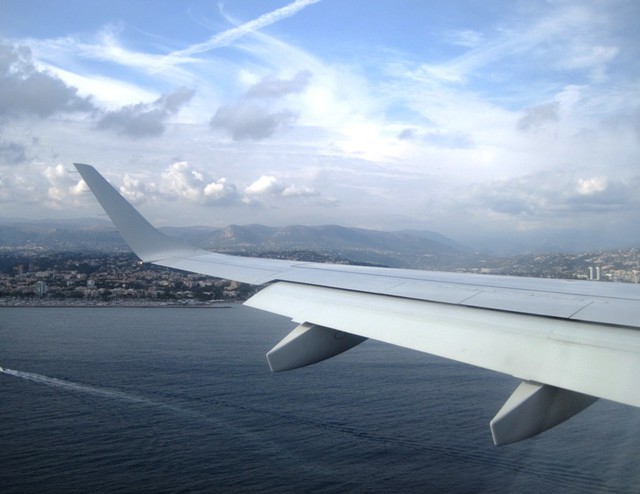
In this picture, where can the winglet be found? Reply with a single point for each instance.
(147, 243)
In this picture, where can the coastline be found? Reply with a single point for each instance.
(137, 304)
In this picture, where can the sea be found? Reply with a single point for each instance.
(181, 400)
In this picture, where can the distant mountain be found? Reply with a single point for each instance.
(411, 249)
(416, 249)
(60, 235)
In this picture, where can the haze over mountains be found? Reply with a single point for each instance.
(26, 240)
(416, 249)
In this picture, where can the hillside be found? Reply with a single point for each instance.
(409, 249)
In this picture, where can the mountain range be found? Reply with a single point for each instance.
(408, 249)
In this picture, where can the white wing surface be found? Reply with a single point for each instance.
(570, 342)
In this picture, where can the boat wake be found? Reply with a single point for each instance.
(82, 388)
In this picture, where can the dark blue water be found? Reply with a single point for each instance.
(181, 400)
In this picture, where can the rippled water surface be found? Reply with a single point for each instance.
(181, 400)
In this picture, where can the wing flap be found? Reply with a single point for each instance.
(582, 357)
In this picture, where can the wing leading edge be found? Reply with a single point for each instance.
(569, 342)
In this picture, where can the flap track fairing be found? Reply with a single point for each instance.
(308, 344)
(533, 408)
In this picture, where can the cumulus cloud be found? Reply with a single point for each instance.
(136, 190)
(270, 186)
(179, 181)
(299, 191)
(146, 119)
(265, 185)
(252, 117)
(219, 191)
(27, 91)
(62, 185)
(591, 186)
(184, 181)
(603, 193)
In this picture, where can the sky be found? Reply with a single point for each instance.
(501, 124)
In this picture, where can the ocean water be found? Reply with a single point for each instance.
(181, 400)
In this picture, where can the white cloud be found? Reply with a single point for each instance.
(268, 186)
(299, 191)
(265, 185)
(105, 46)
(107, 92)
(136, 190)
(592, 186)
(181, 180)
(219, 190)
(63, 187)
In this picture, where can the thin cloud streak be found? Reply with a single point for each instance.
(227, 37)
(573, 28)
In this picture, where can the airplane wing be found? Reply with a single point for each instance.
(569, 342)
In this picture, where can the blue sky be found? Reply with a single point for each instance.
(493, 122)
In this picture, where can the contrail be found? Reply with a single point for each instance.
(227, 37)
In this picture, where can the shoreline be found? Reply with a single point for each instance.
(139, 304)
